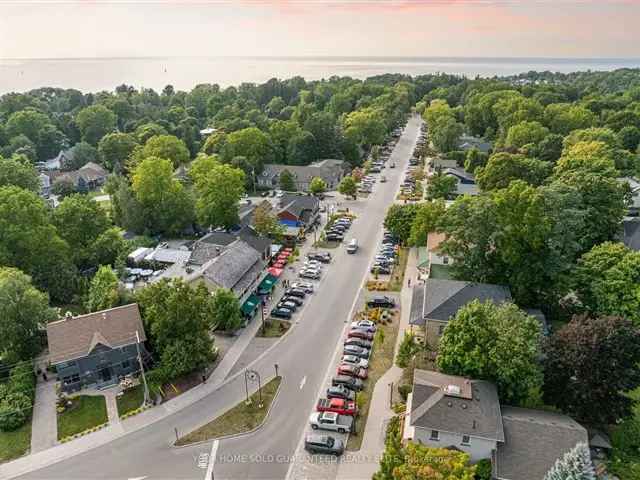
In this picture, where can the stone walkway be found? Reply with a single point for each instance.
(364, 463)
(44, 425)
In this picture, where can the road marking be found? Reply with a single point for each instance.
(212, 460)
(138, 478)
(203, 460)
(303, 381)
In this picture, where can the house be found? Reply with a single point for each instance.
(435, 164)
(329, 170)
(533, 441)
(88, 177)
(467, 142)
(298, 212)
(436, 256)
(435, 302)
(96, 349)
(447, 411)
(466, 182)
(57, 162)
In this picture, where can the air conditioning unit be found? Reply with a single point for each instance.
(452, 390)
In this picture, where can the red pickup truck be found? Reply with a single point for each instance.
(337, 405)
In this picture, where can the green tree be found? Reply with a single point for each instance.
(563, 118)
(30, 242)
(226, 311)
(95, 122)
(287, 181)
(348, 187)
(604, 135)
(24, 310)
(428, 216)
(80, 221)
(177, 319)
(265, 222)
(37, 127)
(550, 148)
(317, 186)
(167, 207)
(282, 133)
(115, 149)
(399, 220)
(441, 186)
(218, 190)
(18, 171)
(166, 147)
(574, 465)
(250, 143)
(493, 342)
(365, 127)
(475, 159)
(503, 168)
(103, 290)
(108, 248)
(590, 363)
(629, 137)
(144, 132)
(523, 133)
(393, 455)
(81, 154)
(422, 462)
(445, 134)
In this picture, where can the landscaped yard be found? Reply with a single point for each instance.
(239, 419)
(397, 275)
(85, 413)
(440, 272)
(273, 328)
(130, 399)
(15, 444)
(381, 360)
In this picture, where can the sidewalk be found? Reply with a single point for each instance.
(44, 425)
(366, 461)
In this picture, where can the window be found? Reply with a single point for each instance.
(465, 440)
(445, 260)
(435, 435)
(126, 364)
(441, 329)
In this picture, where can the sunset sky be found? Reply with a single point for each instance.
(471, 28)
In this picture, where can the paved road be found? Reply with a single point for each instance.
(303, 356)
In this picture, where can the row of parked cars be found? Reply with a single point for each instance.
(291, 300)
(335, 231)
(386, 257)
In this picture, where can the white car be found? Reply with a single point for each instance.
(355, 361)
(309, 273)
(313, 264)
(364, 325)
(305, 286)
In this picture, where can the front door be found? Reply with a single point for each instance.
(105, 374)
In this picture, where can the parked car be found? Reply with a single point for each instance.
(352, 371)
(331, 421)
(349, 382)
(323, 257)
(360, 333)
(381, 269)
(295, 292)
(358, 342)
(281, 313)
(309, 273)
(324, 444)
(290, 305)
(340, 391)
(334, 237)
(356, 350)
(354, 360)
(313, 264)
(337, 405)
(381, 302)
(292, 299)
(365, 325)
(304, 286)
(353, 246)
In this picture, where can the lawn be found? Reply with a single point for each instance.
(440, 272)
(130, 400)
(273, 328)
(381, 360)
(15, 444)
(397, 275)
(85, 413)
(239, 419)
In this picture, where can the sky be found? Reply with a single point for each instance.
(442, 28)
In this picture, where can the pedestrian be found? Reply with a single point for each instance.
(409, 282)
(204, 378)
(44, 376)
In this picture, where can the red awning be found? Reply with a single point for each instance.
(276, 272)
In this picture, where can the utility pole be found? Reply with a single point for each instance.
(144, 378)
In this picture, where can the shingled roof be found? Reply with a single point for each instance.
(534, 440)
(227, 270)
(76, 337)
(441, 299)
(456, 404)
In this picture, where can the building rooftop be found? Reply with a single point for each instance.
(533, 441)
(76, 337)
(456, 404)
(228, 269)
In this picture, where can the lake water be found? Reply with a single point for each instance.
(183, 73)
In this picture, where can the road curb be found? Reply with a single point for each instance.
(235, 435)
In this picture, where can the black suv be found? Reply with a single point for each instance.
(323, 257)
(351, 383)
(381, 302)
(323, 444)
(295, 292)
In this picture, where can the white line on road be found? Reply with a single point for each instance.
(212, 460)
(303, 381)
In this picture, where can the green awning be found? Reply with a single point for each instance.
(250, 305)
(267, 284)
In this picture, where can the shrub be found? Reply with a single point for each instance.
(15, 409)
(408, 348)
(483, 470)
(404, 390)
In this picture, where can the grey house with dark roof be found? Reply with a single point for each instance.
(446, 411)
(329, 170)
(435, 302)
(96, 349)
